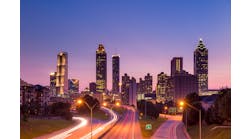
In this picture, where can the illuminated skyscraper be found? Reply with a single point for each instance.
(176, 65)
(125, 89)
(201, 66)
(163, 88)
(115, 73)
(101, 70)
(73, 85)
(62, 74)
(52, 77)
(148, 83)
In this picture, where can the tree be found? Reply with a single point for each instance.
(220, 111)
(82, 108)
(152, 110)
(193, 115)
(61, 109)
(24, 112)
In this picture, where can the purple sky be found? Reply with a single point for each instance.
(146, 34)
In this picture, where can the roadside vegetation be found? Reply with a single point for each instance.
(218, 114)
(207, 133)
(156, 123)
(83, 109)
(119, 110)
(37, 127)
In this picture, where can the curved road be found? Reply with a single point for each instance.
(126, 128)
(173, 128)
(83, 130)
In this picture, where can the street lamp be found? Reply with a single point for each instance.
(91, 111)
(117, 104)
(166, 108)
(104, 104)
(182, 104)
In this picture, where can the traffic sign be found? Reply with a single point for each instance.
(148, 127)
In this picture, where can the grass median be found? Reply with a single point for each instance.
(119, 110)
(97, 114)
(207, 133)
(156, 123)
(37, 127)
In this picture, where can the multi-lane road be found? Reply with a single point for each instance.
(173, 128)
(126, 128)
(82, 130)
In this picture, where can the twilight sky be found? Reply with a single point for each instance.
(146, 33)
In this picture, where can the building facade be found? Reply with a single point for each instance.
(201, 66)
(52, 80)
(62, 74)
(132, 92)
(125, 89)
(101, 70)
(163, 88)
(92, 87)
(148, 81)
(73, 86)
(176, 65)
(182, 84)
(115, 73)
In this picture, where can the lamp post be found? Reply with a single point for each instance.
(182, 104)
(91, 112)
(165, 108)
(145, 109)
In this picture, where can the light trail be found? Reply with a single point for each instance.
(68, 132)
(99, 129)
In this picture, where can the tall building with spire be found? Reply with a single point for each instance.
(101, 70)
(62, 74)
(115, 73)
(201, 66)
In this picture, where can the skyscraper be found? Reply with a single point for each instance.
(201, 66)
(148, 83)
(140, 89)
(52, 77)
(163, 87)
(176, 65)
(62, 74)
(125, 89)
(101, 70)
(73, 85)
(132, 92)
(115, 73)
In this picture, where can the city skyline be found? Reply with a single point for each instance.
(141, 44)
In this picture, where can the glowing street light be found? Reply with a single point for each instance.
(117, 104)
(79, 101)
(104, 104)
(182, 103)
(181, 107)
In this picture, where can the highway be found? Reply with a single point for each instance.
(82, 130)
(173, 128)
(126, 128)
